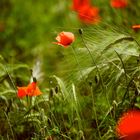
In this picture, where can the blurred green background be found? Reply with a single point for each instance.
(28, 28)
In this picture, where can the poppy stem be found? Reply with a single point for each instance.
(123, 66)
(74, 52)
(82, 76)
(85, 45)
(100, 77)
(95, 112)
(11, 129)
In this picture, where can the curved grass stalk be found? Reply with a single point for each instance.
(80, 125)
(95, 112)
(77, 105)
(137, 42)
(122, 65)
(108, 113)
(102, 84)
(132, 80)
(127, 90)
(77, 61)
(80, 32)
(125, 76)
(9, 125)
(65, 136)
(5, 67)
(130, 38)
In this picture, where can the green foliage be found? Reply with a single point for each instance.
(85, 87)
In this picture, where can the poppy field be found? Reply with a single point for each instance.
(69, 70)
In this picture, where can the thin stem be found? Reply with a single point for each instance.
(122, 65)
(9, 125)
(136, 42)
(65, 136)
(6, 69)
(80, 125)
(102, 84)
(95, 112)
(77, 61)
(129, 38)
(85, 45)
(127, 89)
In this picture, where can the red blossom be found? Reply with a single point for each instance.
(77, 4)
(22, 92)
(89, 14)
(136, 26)
(128, 126)
(119, 3)
(31, 90)
(65, 39)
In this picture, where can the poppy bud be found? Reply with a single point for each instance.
(65, 39)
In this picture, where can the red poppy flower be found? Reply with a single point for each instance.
(86, 12)
(22, 92)
(77, 4)
(31, 90)
(89, 14)
(65, 39)
(136, 26)
(128, 125)
(119, 3)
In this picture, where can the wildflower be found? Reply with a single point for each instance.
(22, 91)
(77, 4)
(136, 26)
(89, 14)
(128, 126)
(31, 90)
(118, 3)
(86, 12)
(65, 39)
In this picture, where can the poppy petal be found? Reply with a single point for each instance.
(30, 90)
(118, 3)
(129, 123)
(65, 39)
(136, 26)
(77, 4)
(22, 92)
(89, 14)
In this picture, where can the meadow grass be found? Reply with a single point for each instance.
(86, 87)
